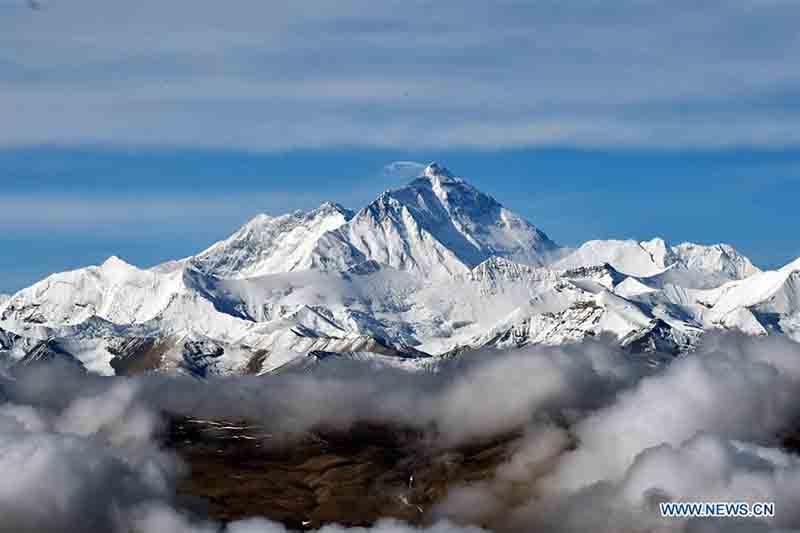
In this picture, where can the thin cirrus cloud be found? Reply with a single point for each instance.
(33, 213)
(273, 76)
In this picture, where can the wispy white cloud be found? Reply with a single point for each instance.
(33, 213)
(403, 170)
(274, 76)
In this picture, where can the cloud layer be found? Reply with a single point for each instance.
(273, 76)
(606, 438)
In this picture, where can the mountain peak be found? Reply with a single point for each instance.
(440, 224)
(263, 222)
(333, 207)
(436, 170)
(438, 175)
(267, 244)
(115, 262)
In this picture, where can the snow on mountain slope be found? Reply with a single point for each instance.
(773, 286)
(688, 264)
(595, 278)
(266, 298)
(115, 290)
(438, 225)
(176, 301)
(267, 245)
(121, 294)
(499, 274)
(645, 258)
(588, 316)
(768, 296)
(14, 347)
(698, 266)
(281, 314)
(631, 287)
(715, 260)
(622, 316)
(457, 314)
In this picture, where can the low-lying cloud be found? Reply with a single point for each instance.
(604, 437)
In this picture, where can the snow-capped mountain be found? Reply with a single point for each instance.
(268, 245)
(439, 224)
(718, 259)
(432, 268)
(115, 290)
(688, 264)
(764, 302)
(436, 225)
(645, 258)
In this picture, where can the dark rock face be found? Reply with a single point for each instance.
(48, 352)
(135, 355)
(352, 478)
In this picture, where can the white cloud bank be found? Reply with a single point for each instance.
(606, 438)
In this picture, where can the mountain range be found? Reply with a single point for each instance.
(426, 271)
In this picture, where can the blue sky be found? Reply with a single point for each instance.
(150, 129)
